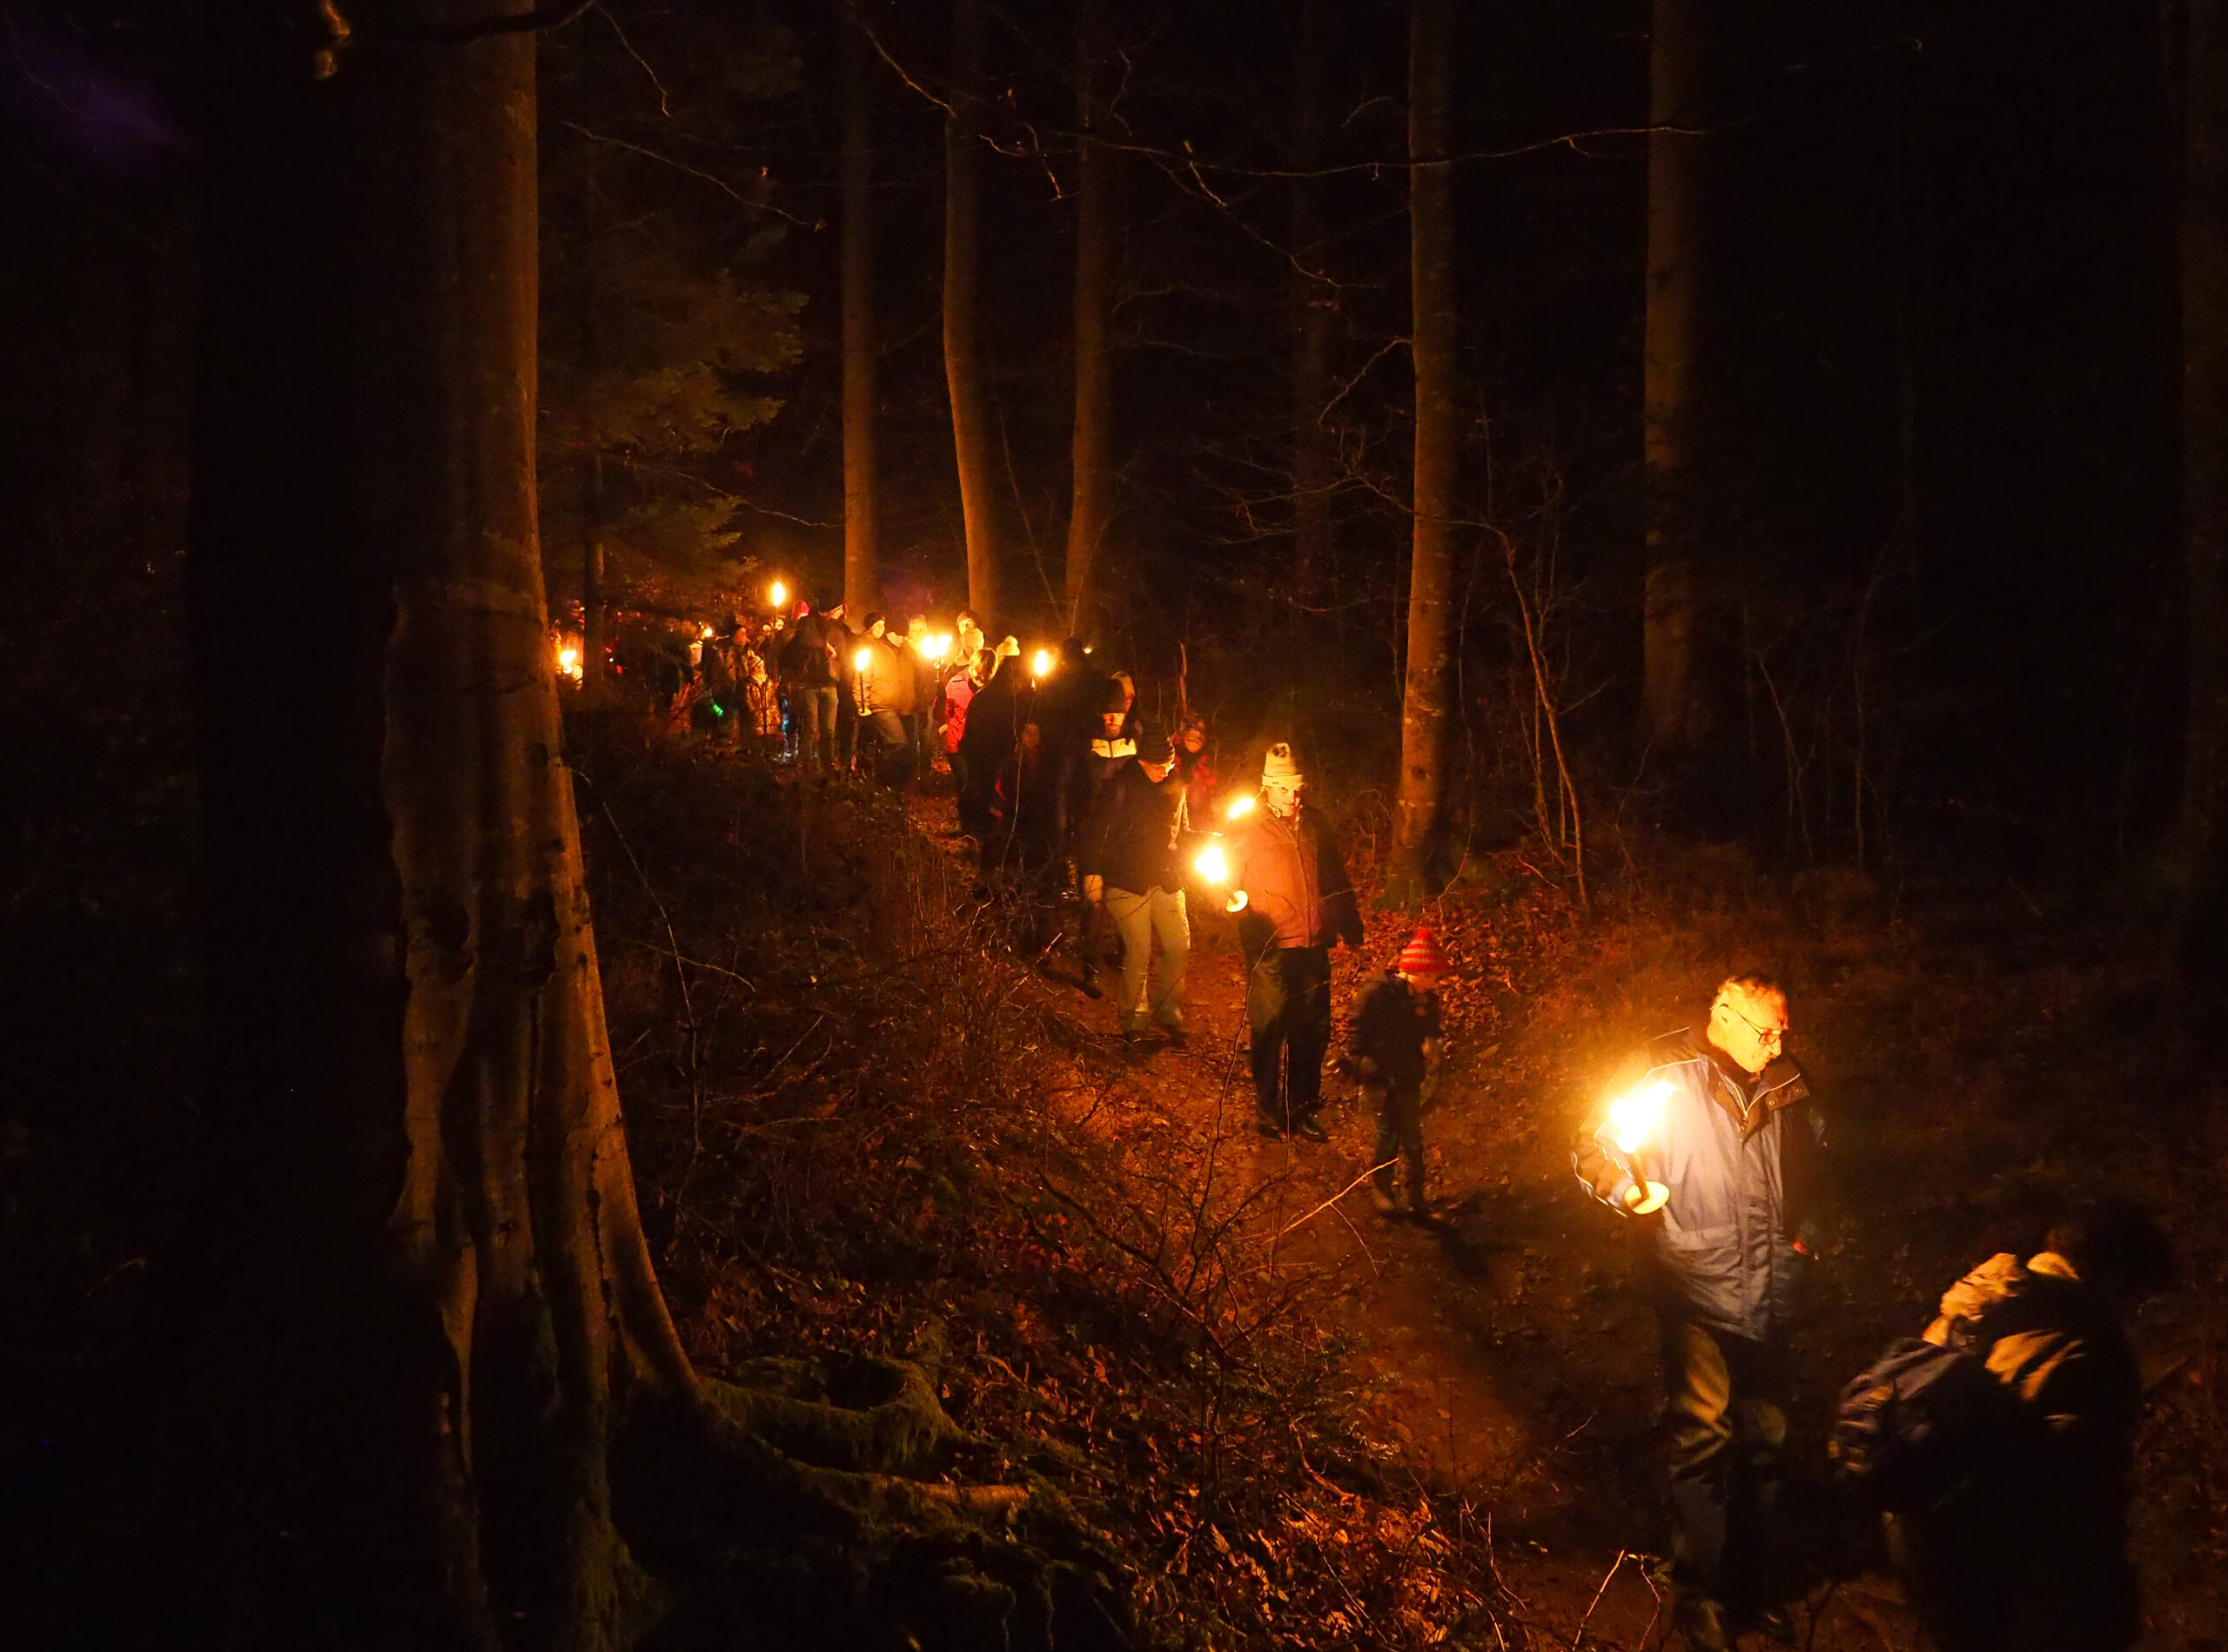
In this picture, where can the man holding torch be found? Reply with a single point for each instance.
(1295, 901)
(1715, 1153)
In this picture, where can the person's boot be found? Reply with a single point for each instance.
(1380, 1197)
(1700, 1623)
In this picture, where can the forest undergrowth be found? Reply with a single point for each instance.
(1986, 1058)
(856, 1128)
(860, 1134)
(856, 1136)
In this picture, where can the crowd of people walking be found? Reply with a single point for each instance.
(1086, 818)
(2005, 1513)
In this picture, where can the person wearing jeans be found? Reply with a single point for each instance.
(816, 727)
(808, 676)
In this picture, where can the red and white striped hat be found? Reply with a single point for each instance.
(1422, 955)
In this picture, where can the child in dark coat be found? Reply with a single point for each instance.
(1394, 1046)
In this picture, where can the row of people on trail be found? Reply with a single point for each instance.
(2007, 1520)
(1999, 1444)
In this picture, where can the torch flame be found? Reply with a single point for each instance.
(936, 648)
(1040, 664)
(568, 662)
(778, 593)
(862, 659)
(1239, 807)
(1212, 864)
(1634, 1117)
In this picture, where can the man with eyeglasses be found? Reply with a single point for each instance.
(1738, 1143)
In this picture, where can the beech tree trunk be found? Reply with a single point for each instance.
(1090, 456)
(963, 354)
(1310, 365)
(861, 500)
(593, 629)
(2201, 947)
(1422, 798)
(434, 1307)
(1675, 711)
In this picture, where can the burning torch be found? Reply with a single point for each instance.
(1040, 664)
(777, 594)
(1634, 1119)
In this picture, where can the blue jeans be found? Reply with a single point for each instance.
(816, 724)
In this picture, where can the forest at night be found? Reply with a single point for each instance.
(1007, 824)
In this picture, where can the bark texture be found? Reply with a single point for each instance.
(1090, 452)
(2202, 927)
(862, 497)
(444, 1305)
(441, 1402)
(963, 349)
(594, 627)
(1422, 798)
(1675, 712)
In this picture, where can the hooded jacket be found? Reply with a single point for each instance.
(1129, 838)
(1297, 891)
(1739, 1154)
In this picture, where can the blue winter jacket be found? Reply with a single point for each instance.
(1738, 1154)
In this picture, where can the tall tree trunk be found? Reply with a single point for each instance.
(594, 620)
(963, 354)
(1311, 365)
(435, 1301)
(2201, 949)
(1422, 798)
(1090, 456)
(1674, 712)
(861, 499)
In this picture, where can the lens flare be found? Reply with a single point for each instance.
(1634, 1118)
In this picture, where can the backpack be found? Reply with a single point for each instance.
(1921, 1421)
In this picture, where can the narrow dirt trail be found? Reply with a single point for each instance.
(1499, 1354)
(1496, 1350)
